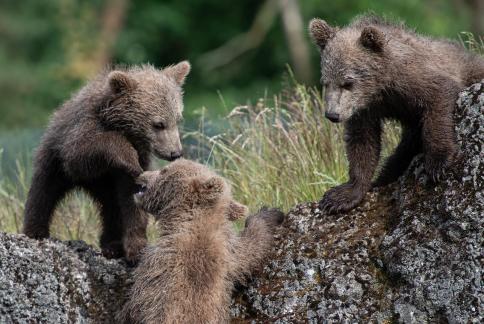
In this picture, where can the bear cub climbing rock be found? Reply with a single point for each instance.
(374, 70)
(101, 140)
(187, 276)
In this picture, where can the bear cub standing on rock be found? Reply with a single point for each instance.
(374, 70)
(101, 140)
(188, 275)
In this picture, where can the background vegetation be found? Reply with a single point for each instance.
(274, 146)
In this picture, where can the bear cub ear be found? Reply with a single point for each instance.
(236, 211)
(321, 32)
(120, 82)
(372, 39)
(178, 72)
(208, 189)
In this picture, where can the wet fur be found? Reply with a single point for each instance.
(398, 75)
(187, 276)
(100, 141)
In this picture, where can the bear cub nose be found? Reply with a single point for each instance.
(334, 117)
(175, 155)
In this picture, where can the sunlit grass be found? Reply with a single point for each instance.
(472, 42)
(278, 152)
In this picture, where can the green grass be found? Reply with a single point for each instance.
(472, 42)
(278, 152)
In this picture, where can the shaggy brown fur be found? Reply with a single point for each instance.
(100, 140)
(374, 70)
(188, 275)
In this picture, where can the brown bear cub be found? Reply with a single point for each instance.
(374, 70)
(188, 275)
(101, 140)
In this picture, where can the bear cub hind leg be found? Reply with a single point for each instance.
(48, 187)
(439, 142)
(396, 164)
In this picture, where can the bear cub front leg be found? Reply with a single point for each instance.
(134, 221)
(273, 217)
(255, 241)
(363, 144)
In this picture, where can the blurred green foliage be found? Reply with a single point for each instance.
(48, 48)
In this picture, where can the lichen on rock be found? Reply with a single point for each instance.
(436, 249)
(54, 282)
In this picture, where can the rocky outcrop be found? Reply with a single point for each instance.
(411, 253)
(436, 248)
(55, 282)
(325, 267)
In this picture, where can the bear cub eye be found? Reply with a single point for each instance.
(347, 84)
(159, 126)
(140, 189)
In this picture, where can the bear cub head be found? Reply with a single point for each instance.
(185, 186)
(353, 65)
(146, 106)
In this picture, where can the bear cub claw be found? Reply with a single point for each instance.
(436, 166)
(341, 198)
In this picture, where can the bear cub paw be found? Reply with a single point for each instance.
(271, 216)
(133, 250)
(37, 233)
(341, 198)
(112, 250)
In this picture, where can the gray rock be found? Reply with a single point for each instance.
(411, 253)
(54, 282)
(436, 247)
(329, 271)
